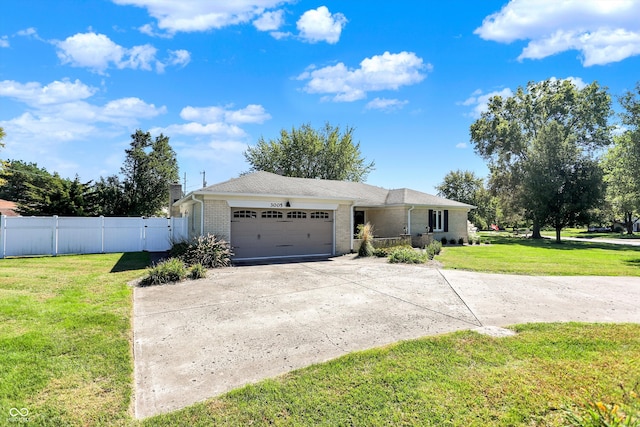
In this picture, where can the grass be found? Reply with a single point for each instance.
(65, 338)
(460, 379)
(513, 255)
(583, 233)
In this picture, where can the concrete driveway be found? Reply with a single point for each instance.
(196, 340)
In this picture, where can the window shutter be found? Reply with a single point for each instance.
(446, 220)
(430, 220)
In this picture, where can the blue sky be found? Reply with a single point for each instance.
(77, 78)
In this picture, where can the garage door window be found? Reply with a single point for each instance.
(296, 214)
(244, 214)
(271, 214)
(319, 215)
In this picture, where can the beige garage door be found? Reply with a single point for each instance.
(263, 233)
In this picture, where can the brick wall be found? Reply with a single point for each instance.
(343, 229)
(217, 218)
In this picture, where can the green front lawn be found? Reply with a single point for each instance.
(65, 340)
(583, 233)
(517, 255)
(460, 379)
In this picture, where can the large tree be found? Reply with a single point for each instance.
(149, 167)
(305, 152)
(622, 162)
(504, 136)
(563, 183)
(466, 187)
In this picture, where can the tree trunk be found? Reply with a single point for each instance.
(628, 222)
(558, 234)
(535, 231)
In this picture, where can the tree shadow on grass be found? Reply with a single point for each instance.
(563, 245)
(131, 261)
(632, 262)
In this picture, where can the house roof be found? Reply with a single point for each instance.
(8, 208)
(269, 184)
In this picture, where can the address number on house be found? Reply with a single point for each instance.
(277, 205)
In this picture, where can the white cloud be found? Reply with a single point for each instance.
(269, 21)
(4, 41)
(29, 32)
(602, 31)
(202, 15)
(461, 145)
(179, 57)
(385, 104)
(56, 92)
(319, 24)
(480, 101)
(60, 111)
(98, 53)
(388, 71)
(252, 113)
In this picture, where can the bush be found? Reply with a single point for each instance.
(443, 241)
(385, 252)
(437, 247)
(452, 241)
(197, 271)
(365, 232)
(207, 250)
(171, 270)
(178, 249)
(408, 256)
(460, 241)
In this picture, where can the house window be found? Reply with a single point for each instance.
(244, 214)
(319, 215)
(271, 214)
(437, 220)
(296, 214)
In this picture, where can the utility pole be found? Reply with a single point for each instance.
(204, 181)
(184, 184)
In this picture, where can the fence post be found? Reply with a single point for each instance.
(101, 234)
(54, 237)
(3, 235)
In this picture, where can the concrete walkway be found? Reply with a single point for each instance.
(199, 339)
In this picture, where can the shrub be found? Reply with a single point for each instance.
(452, 241)
(197, 271)
(408, 256)
(178, 249)
(478, 240)
(386, 251)
(208, 251)
(460, 241)
(443, 241)
(437, 247)
(365, 232)
(171, 270)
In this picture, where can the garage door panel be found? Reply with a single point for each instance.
(255, 237)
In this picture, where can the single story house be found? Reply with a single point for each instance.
(265, 215)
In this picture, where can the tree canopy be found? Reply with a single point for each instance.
(466, 187)
(149, 167)
(512, 136)
(622, 162)
(305, 152)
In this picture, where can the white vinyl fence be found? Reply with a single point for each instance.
(55, 235)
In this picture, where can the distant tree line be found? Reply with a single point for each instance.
(554, 159)
(150, 166)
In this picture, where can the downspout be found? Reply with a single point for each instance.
(409, 219)
(351, 229)
(201, 213)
